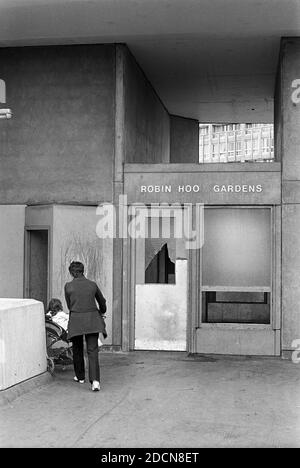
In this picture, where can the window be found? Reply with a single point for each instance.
(215, 150)
(206, 150)
(238, 149)
(248, 149)
(231, 149)
(158, 250)
(219, 128)
(255, 146)
(265, 145)
(236, 307)
(223, 147)
(236, 285)
(203, 130)
(160, 269)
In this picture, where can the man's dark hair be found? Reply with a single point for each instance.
(76, 269)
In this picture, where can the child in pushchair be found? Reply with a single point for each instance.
(59, 351)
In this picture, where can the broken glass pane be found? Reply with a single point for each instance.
(160, 269)
(160, 252)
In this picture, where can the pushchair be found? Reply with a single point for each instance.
(59, 352)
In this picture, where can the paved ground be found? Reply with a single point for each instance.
(163, 400)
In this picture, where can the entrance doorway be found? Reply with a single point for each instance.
(220, 298)
(159, 283)
(37, 264)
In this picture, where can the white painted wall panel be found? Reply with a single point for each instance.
(161, 313)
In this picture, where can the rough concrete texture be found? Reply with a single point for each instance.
(289, 71)
(290, 274)
(147, 122)
(59, 146)
(12, 250)
(184, 140)
(151, 399)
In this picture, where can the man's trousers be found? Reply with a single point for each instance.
(92, 352)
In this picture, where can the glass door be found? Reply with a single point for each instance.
(160, 286)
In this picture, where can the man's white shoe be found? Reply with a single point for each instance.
(76, 380)
(95, 386)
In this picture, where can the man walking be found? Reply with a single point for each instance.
(86, 305)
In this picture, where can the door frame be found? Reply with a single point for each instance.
(129, 283)
(27, 230)
(275, 274)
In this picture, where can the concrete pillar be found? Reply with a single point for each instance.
(287, 126)
(184, 140)
(12, 221)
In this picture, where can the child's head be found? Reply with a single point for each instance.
(54, 306)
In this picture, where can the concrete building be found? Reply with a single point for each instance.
(106, 101)
(236, 142)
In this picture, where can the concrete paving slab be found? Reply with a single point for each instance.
(10, 394)
(161, 399)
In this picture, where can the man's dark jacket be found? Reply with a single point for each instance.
(85, 315)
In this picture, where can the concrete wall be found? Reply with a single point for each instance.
(236, 339)
(59, 145)
(290, 274)
(12, 219)
(147, 122)
(290, 71)
(22, 322)
(39, 215)
(278, 114)
(290, 148)
(74, 238)
(184, 140)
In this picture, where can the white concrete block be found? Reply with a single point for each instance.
(22, 341)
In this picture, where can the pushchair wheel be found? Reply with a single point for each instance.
(50, 365)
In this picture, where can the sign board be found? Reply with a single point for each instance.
(212, 188)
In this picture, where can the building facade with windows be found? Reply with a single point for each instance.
(236, 142)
